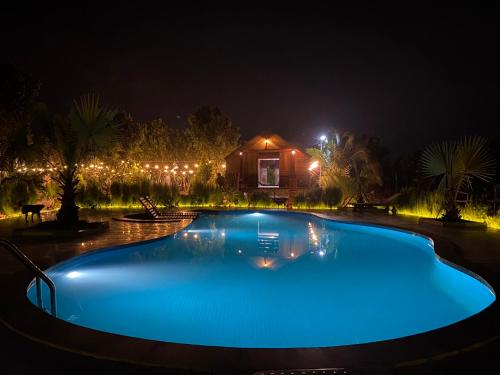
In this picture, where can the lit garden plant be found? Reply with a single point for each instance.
(455, 164)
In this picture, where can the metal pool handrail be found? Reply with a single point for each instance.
(39, 274)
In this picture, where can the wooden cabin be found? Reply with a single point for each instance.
(270, 164)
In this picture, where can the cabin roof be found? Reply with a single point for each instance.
(258, 143)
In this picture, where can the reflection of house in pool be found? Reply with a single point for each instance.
(268, 163)
(275, 242)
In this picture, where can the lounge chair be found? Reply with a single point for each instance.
(156, 213)
(382, 203)
(173, 213)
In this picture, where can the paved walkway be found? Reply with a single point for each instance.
(51, 251)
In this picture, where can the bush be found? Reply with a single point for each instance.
(420, 203)
(332, 196)
(91, 195)
(236, 198)
(167, 195)
(200, 193)
(259, 198)
(309, 199)
(18, 191)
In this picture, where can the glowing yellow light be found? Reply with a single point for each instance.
(185, 234)
(174, 172)
(293, 152)
(196, 165)
(91, 165)
(183, 172)
(241, 153)
(191, 171)
(147, 165)
(266, 141)
(223, 165)
(313, 165)
(195, 235)
(186, 166)
(157, 166)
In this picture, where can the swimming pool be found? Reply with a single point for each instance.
(268, 280)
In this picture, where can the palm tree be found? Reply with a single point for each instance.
(89, 129)
(346, 163)
(455, 164)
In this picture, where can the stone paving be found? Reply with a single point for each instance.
(48, 252)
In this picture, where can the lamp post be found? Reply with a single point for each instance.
(322, 139)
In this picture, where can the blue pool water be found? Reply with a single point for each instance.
(267, 280)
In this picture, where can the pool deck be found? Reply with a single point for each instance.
(478, 251)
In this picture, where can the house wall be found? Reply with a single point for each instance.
(293, 169)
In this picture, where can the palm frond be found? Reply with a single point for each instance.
(93, 125)
(437, 159)
(474, 159)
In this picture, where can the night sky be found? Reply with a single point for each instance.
(408, 76)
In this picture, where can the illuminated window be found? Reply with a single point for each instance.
(269, 172)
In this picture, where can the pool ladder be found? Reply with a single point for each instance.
(39, 275)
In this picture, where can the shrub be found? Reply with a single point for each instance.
(125, 198)
(313, 197)
(200, 193)
(332, 196)
(259, 198)
(91, 195)
(18, 191)
(167, 195)
(420, 203)
(116, 191)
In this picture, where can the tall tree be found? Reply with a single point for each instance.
(211, 136)
(149, 140)
(346, 163)
(88, 130)
(20, 119)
